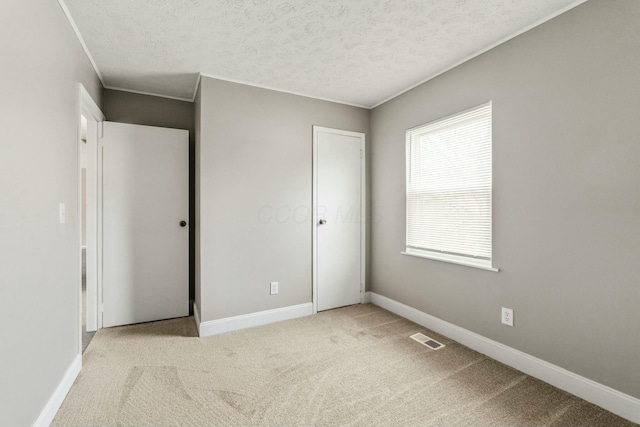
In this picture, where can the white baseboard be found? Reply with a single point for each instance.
(55, 401)
(228, 324)
(612, 400)
(196, 316)
(367, 297)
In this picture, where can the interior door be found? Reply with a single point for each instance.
(145, 234)
(339, 217)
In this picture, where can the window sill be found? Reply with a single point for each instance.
(453, 260)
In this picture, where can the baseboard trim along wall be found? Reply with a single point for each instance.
(612, 400)
(55, 401)
(196, 316)
(367, 297)
(228, 324)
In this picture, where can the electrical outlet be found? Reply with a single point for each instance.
(507, 316)
(274, 288)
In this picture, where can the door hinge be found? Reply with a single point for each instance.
(102, 308)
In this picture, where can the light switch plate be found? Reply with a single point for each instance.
(63, 214)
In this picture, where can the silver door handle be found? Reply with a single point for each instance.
(322, 222)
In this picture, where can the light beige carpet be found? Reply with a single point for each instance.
(351, 366)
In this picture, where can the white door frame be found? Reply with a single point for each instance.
(363, 211)
(88, 108)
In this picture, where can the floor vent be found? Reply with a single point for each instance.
(426, 341)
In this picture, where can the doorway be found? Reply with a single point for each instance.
(86, 335)
(339, 218)
(89, 119)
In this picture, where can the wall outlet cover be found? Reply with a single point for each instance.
(507, 316)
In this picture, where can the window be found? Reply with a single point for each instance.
(448, 191)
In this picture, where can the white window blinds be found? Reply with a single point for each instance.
(449, 186)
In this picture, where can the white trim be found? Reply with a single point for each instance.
(86, 101)
(315, 218)
(283, 91)
(228, 324)
(55, 401)
(80, 39)
(479, 113)
(196, 316)
(79, 197)
(367, 298)
(195, 89)
(92, 113)
(612, 400)
(140, 92)
(99, 225)
(483, 50)
(452, 259)
(314, 222)
(363, 219)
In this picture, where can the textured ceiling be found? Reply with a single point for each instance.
(358, 52)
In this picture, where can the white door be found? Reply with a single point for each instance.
(145, 245)
(339, 217)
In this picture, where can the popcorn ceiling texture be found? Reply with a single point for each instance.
(353, 51)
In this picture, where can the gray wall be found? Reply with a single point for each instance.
(255, 153)
(42, 61)
(127, 107)
(566, 99)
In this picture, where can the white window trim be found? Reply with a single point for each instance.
(453, 259)
(483, 264)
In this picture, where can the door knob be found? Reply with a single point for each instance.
(183, 223)
(323, 221)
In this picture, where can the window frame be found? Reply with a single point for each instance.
(465, 260)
